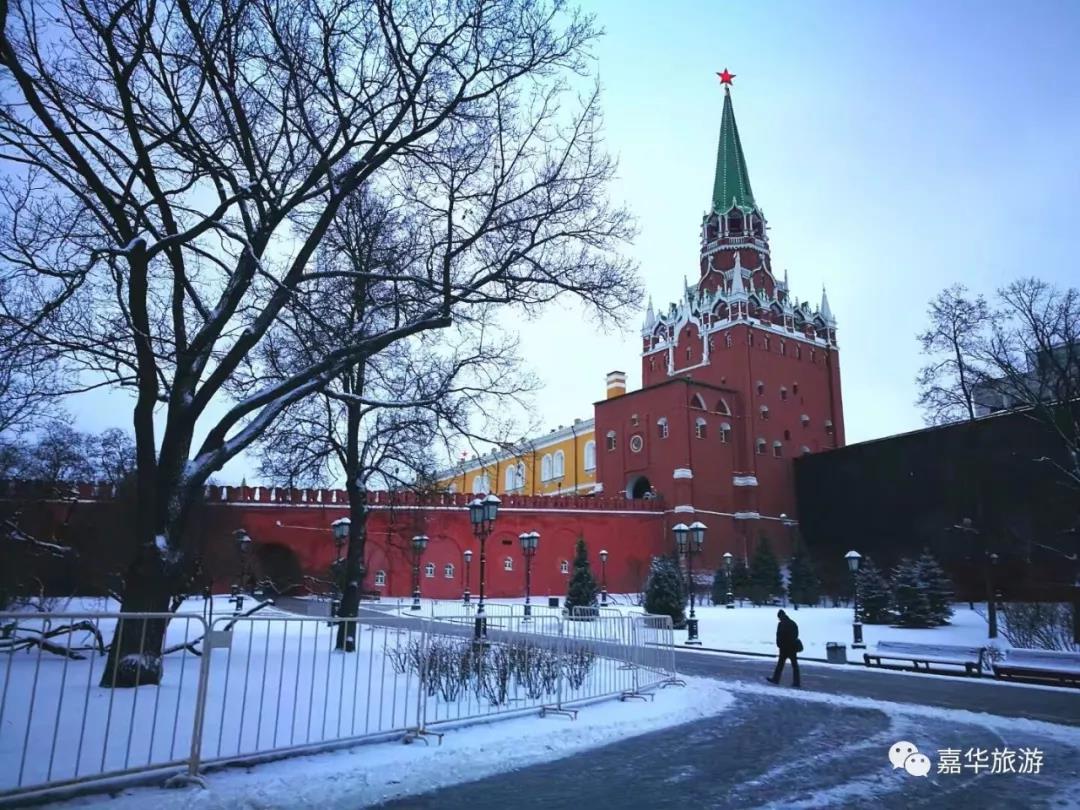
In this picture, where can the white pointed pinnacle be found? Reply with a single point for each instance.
(826, 311)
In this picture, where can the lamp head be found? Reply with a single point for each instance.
(853, 559)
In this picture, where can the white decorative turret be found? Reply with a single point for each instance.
(737, 288)
(650, 317)
(826, 312)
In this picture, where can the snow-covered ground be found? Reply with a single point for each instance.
(753, 629)
(369, 774)
(278, 683)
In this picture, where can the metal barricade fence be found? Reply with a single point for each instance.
(249, 686)
(59, 727)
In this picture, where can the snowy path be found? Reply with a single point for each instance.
(775, 751)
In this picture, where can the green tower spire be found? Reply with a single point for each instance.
(732, 182)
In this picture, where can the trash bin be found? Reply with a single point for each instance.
(553, 601)
(836, 653)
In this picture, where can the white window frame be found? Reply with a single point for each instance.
(612, 441)
(778, 449)
(725, 432)
(545, 467)
(481, 484)
(558, 465)
(448, 571)
(564, 566)
(662, 423)
(760, 446)
(510, 479)
(590, 455)
(380, 579)
(701, 428)
(508, 563)
(429, 570)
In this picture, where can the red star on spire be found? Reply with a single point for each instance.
(725, 77)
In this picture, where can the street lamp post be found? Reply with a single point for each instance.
(529, 543)
(991, 596)
(243, 545)
(482, 514)
(419, 544)
(603, 577)
(468, 564)
(729, 567)
(689, 540)
(853, 559)
(339, 530)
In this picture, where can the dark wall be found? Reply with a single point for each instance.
(892, 497)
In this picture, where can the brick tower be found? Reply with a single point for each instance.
(738, 378)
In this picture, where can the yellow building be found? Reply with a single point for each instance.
(561, 463)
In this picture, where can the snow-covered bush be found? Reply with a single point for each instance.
(1038, 625)
(665, 593)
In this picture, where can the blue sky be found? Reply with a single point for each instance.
(895, 149)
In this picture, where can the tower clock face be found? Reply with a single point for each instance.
(636, 443)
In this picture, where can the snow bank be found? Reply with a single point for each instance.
(370, 774)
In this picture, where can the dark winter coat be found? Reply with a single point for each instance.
(787, 635)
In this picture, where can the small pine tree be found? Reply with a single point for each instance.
(874, 593)
(937, 586)
(720, 587)
(912, 605)
(765, 580)
(804, 587)
(582, 589)
(665, 592)
(740, 580)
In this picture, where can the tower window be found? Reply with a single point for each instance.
(700, 428)
(652, 364)
(725, 433)
(783, 349)
(508, 563)
(760, 387)
(764, 412)
(380, 579)
(813, 355)
(662, 427)
(783, 393)
(722, 407)
(564, 567)
(804, 450)
(798, 352)
(777, 449)
(728, 341)
(697, 402)
(688, 350)
(828, 426)
(805, 420)
(611, 440)
(761, 447)
(634, 420)
(787, 435)
(448, 571)
(795, 388)
(429, 570)
(765, 343)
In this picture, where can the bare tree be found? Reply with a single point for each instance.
(176, 165)
(374, 424)
(1031, 358)
(958, 321)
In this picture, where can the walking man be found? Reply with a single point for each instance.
(787, 640)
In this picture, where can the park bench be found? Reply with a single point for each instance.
(941, 658)
(1039, 665)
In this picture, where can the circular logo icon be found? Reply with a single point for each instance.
(636, 444)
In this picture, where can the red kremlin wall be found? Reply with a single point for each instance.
(291, 532)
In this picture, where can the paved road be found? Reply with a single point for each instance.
(1052, 704)
(779, 752)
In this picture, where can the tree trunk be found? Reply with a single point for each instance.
(354, 557)
(150, 584)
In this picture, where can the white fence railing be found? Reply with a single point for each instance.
(237, 688)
